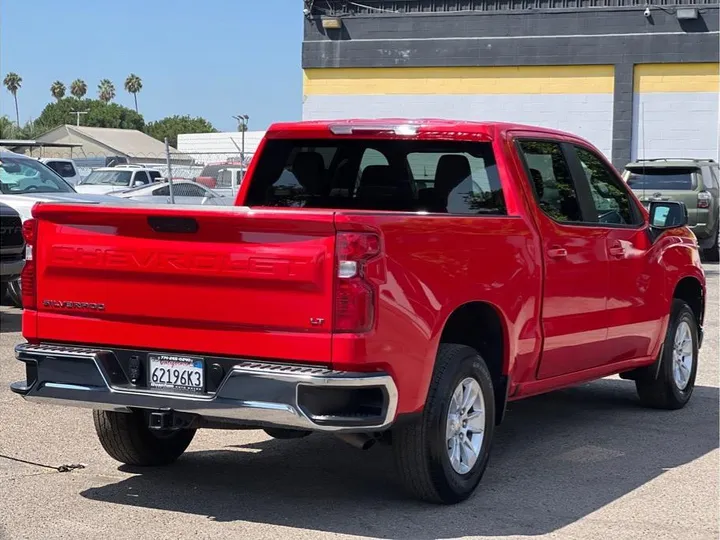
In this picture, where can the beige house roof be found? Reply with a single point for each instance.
(129, 142)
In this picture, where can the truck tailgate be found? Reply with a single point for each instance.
(212, 280)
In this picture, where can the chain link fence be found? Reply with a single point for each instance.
(212, 169)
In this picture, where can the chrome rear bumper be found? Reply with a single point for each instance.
(250, 392)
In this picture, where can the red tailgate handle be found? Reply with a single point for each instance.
(557, 252)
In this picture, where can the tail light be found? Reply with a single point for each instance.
(354, 293)
(28, 277)
(703, 200)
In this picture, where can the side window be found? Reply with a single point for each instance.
(612, 203)
(141, 177)
(551, 180)
(162, 192)
(63, 168)
(154, 175)
(457, 183)
(188, 190)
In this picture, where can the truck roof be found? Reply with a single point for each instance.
(412, 124)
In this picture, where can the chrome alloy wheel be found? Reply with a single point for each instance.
(683, 355)
(465, 427)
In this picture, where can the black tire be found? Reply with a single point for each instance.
(127, 439)
(3, 292)
(14, 293)
(420, 446)
(663, 392)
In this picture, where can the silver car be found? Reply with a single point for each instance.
(185, 192)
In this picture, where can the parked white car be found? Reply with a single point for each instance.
(107, 180)
(65, 168)
(184, 191)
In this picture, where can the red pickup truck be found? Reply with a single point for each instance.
(396, 281)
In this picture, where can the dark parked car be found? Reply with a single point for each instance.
(12, 247)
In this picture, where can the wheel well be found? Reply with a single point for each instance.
(479, 325)
(690, 290)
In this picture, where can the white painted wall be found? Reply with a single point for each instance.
(587, 115)
(675, 124)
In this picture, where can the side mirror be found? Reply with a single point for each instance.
(667, 214)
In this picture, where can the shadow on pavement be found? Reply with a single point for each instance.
(10, 321)
(556, 459)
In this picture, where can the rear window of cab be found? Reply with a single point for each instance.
(454, 177)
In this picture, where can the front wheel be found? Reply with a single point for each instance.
(127, 438)
(674, 384)
(442, 455)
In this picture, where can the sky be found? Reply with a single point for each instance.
(209, 58)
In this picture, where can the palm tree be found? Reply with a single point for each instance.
(78, 88)
(13, 82)
(133, 84)
(106, 90)
(57, 89)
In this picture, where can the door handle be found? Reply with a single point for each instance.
(557, 253)
(617, 251)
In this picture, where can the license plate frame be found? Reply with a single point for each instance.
(169, 372)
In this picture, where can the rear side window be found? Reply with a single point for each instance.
(154, 175)
(63, 168)
(392, 175)
(670, 179)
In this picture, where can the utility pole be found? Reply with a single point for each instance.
(77, 116)
(242, 121)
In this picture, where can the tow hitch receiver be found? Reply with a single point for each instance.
(168, 420)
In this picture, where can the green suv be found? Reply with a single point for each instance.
(692, 181)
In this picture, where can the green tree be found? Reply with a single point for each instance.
(32, 130)
(133, 84)
(172, 126)
(8, 128)
(106, 90)
(13, 82)
(57, 89)
(78, 88)
(99, 114)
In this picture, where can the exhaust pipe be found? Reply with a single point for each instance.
(358, 440)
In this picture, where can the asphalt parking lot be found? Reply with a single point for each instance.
(587, 462)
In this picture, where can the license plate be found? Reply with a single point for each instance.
(177, 373)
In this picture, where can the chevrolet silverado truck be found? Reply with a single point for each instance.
(397, 281)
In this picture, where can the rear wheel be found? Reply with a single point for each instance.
(127, 438)
(442, 455)
(674, 384)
